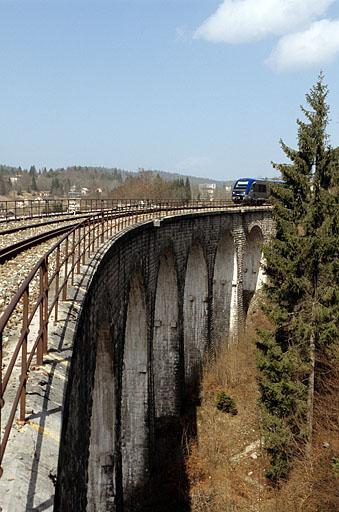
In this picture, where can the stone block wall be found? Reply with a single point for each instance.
(161, 297)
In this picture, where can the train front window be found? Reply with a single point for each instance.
(241, 186)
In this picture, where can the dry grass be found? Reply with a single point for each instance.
(221, 483)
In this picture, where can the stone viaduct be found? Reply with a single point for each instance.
(164, 294)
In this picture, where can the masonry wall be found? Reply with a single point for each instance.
(161, 297)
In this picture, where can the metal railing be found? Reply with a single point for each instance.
(38, 297)
(42, 207)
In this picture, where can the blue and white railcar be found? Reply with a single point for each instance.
(250, 190)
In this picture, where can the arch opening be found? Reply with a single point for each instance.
(169, 480)
(166, 355)
(195, 319)
(101, 468)
(134, 395)
(253, 255)
(224, 289)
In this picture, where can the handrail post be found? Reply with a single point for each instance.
(2, 402)
(79, 250)
(89, 239)
(57, 279)
(98, 229)
(102, 227)
(73, 257)
(93, 237)
(84, 245)
(40, 346)
(23, 376)
(45, 305)
(64, 288)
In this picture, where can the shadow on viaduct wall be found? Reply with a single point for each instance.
(161, 299)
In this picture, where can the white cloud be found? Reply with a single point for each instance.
(239, 21)
(317, 45)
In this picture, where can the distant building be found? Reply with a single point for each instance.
(207, 190)
(228, 192)
(73, 205)
(44, 193)
(73, 193)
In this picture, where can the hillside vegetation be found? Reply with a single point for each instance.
(94, 182)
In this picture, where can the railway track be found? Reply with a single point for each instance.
(13, 250)
(19, 225)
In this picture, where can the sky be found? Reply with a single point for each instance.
(200, 87)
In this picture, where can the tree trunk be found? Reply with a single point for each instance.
(310, 395)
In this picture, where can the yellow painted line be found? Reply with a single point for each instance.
(60, 359)
(44, 431)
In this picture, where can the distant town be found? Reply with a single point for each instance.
(95, 182)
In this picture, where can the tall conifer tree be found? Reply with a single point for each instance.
(302, 292)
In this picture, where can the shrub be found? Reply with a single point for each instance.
(225, 403)
(335, 465)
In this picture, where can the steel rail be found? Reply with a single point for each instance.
(40, 224)
(29, 209)
(6, 253)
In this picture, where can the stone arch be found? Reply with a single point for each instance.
(224, 288)
(134, 392)
(101, 469)
(253, 255)
(166, 365)
(166, 350)
(195, 316)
